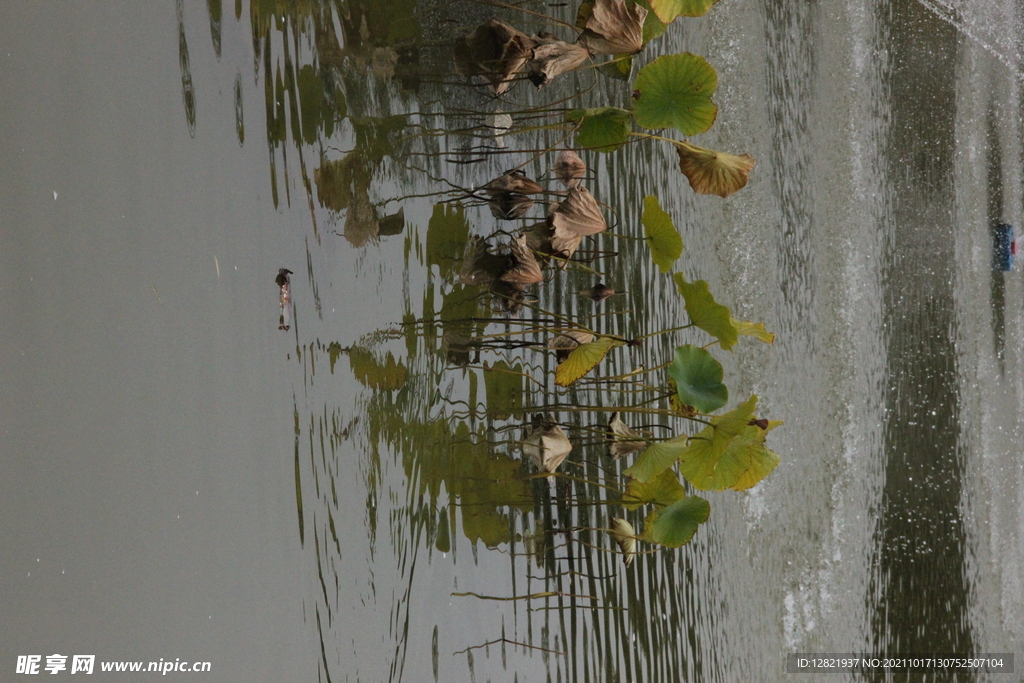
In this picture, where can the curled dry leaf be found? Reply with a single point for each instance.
(564, 343)
(614, 27)
(524, 268)
(495, 51)
(553, 57)
(569, 168)
(573, 219)
(624, 439)
(507, 195)
(711, 172)
(625, 537)
(547, 445)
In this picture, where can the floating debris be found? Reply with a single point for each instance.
(284, 281)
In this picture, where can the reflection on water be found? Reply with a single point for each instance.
(920, 589)
(414, 489)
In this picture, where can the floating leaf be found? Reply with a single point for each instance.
(664, 240)
(614, 27)
(653, 26)
(668, 10)
(569, 168)
(583, 359)
(711, 172)
(675, 525)
(756, 330)
(730, 452)
(624, 439)
(698, 378)
(604, 129)
(706, 313)
(625, 537)
(675, 91)
(547, 445)
(663, 490)
(656, 458)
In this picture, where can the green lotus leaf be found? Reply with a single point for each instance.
(664, 240)
(619, 67)
(730, 452)
(604, 129)
(653, 26)
(504, 387)
(583, 359)
(447, 234)
(662, 491)
(698, 378)
(675, 525)
(755, 330)
(706, 313)
(674, 91)
(656, 458)
(668, 10)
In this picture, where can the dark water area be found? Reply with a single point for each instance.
(339, 479)
(921, 592)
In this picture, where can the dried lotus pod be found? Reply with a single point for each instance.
(569, 168)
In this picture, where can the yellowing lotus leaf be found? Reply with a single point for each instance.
(711, 172)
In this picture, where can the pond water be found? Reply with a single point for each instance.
(346, 500)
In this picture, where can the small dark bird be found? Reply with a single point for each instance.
(599, 292)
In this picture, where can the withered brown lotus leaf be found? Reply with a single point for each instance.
(573, 219)
(524, 268)
(711, 172)
(553, 57)
(495, 51)
(547, 445)
(614, 27)
(623, 438)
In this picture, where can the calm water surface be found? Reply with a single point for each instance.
(337, 502)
